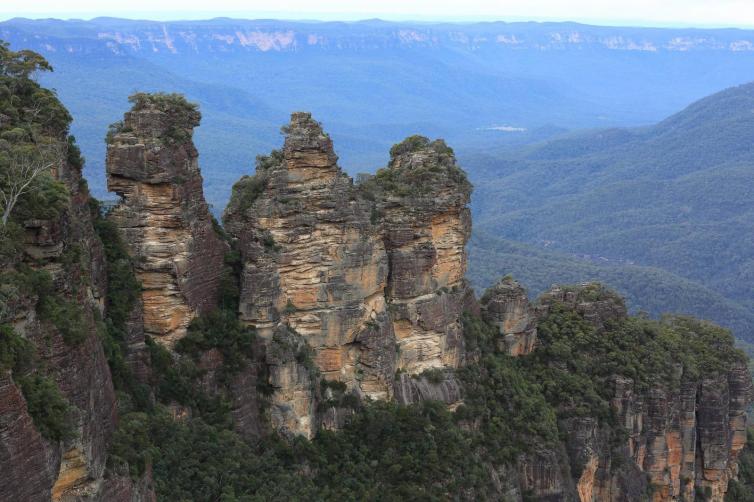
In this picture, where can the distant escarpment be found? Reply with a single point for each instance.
(152, 165)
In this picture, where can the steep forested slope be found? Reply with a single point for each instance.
(677, 196)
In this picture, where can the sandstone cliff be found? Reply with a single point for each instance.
(61, 322)
(506, 307)
(673, 438)
(153, 165)
(312, 260)
(372, 277)
(421, 201)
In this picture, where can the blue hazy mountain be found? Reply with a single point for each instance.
(373, 82)
(676, 196)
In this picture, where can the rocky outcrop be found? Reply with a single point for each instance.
(422, 198)
(506, 306)
(680, 440)
(67, 248)
(152, 165)
(597, 304)
(371, 277)
(437, 385)
(314, 261)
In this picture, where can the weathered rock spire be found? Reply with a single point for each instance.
(153, 165)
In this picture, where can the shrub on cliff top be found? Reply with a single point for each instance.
(576, 364)
(420, 178)
(180, 114)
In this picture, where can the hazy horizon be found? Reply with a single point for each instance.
(672, 14)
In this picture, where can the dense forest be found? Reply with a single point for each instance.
(672, 199)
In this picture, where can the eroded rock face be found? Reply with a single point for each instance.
(440, 386)
(29, 463)
(36, 468)
(679, 440)
(372, 277)
(153, 165)
(422, 199)
(313, 260)
(506, 306)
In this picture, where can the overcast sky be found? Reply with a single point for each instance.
(702, 13)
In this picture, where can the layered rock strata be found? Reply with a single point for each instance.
(680, 441)
(370, 276)
(422, 197)
(74, 468)
(314, 261)
(152, 165)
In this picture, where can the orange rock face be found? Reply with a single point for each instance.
(153, 165)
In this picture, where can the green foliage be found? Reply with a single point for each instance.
(246, 191)
(742, 490)
(123, 292)
(53, 308)
(33, 133)
(502, 398)
(175, 380)
(230, 289)
(220, 329)
(289, 308)
(576, 364)
(181, 116)
(16, 352)
(132, 443)
(416, 179)
(417, 143)
(433, 375)
(249, 188)
(48, 408)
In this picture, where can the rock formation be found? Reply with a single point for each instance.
(506, 307)
(313, 260)
(356, 292)
(680, 440)
(153, 165)
(372, 277)
(36, 468)
(422, 198)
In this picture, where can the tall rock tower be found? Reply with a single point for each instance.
(422, 198)
(153, 165)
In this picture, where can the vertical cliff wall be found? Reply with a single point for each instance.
(152, 165)
(314, 261)
(507, 307)
(47, 453)
(672, 436)
(421, 200)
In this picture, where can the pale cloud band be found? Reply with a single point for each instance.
(701, 13)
